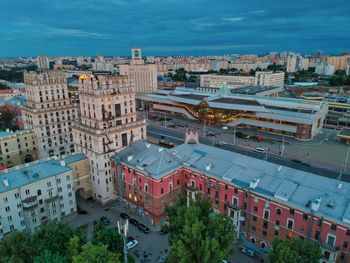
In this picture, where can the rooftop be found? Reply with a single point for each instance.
(29, 173)
(283, 184)
(8, 133)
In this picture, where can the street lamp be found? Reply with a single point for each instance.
(123, 231)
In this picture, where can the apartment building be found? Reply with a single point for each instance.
(291, 63)
(264, 200)
(108, 123)
(49, 112)
(143, 77)
(42, 62)
(269, 78)
(216, 81)
(37, 193)
(17, 147)
(339, 62)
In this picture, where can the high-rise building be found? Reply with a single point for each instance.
(49, 112)
(42, 62)
(291, 63)
(142, 76)
(339, 62)
(108, 123)
(324, 69)
(269, 78)
(216, 81)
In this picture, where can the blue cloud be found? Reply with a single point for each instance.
(165, 27)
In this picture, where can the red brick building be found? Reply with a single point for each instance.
(263, 199)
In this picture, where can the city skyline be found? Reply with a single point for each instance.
(172, 27)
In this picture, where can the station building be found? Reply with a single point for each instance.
(302, 119)
(264, 200)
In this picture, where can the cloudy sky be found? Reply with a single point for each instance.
(166, 27)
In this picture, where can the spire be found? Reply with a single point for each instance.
(224, 90)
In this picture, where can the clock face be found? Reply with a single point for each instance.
(136, 53)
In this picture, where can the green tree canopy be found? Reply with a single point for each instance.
(49, 257)
(111, 238)
(96, 253)
(197, 234)
(294, 251)
(16, 247)
(52, 237)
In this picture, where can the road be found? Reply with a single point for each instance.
(177, 137)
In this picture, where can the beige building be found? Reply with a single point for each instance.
(17, 147)
(108, 123)
(291, 63)
(339, 62)
(216, 81)
(268, 78)
(49, 112)
(42, 62)
(143, 77)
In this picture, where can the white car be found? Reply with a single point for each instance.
(131, 244)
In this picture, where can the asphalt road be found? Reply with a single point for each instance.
(177, 137)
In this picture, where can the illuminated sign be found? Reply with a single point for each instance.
(86, 76)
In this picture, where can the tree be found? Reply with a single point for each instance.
(294, 251)
(16, 247)
(197, 234)
(111, 238)
(73, 247)
(96, 253)
(52, 237)
(48, 257)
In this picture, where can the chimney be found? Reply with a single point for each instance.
(6, 182)
(254, 183)
(63, 162)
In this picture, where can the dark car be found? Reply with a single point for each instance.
(134, 222)
(105, 221)
(82, 212)
(143, 228)
(124, 215)
(210, 134)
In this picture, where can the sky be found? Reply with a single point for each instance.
(172, 27)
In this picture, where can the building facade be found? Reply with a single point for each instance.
(143, 77)
(17, 148)
(42, 62)
(36, 193)
(49, 112)
(108, 123)
(264, 200)
(216, 81)
(269, 78)
(291, 63)
(339, 62)
(297, 118)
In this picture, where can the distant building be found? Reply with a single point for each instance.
(215, 81)
(339, 62)
(42, 62)
(108, 123)
(36, 193)
(324, 69)
(291, 63)
(49, 112)
(17, 147)
(269, 78)
(143, 77)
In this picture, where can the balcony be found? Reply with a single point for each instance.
(51, 198)
(233, 206)
(30, 203)
(329, 247)
(192, 188)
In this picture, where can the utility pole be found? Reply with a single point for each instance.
(164, 120)
(204, 129)
(213, 140)
(234, 135)
(282, 146)
(346, 159)
(266, 154)
(123, 231)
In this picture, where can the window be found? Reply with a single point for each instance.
(345, 244)
(234, 201)
(5, 200)
(319, 223)
(334, 227)
(264, 232)
(146, 188)
(39, 192)
(331, 240)
(254, 218)
(290, 224)
(277, 222)
(255, 209)
(267, 214)
(48, 184)
(317, 235)
(253, 228)
(305, 216)
(162, 191)
(27, 191)
(278, 211)
(7, 209)
(276, 233)
(291, 211)
(265, 225)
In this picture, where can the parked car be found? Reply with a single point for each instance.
(248, 252)
(129, 238)
(131, 244)
(210, 134)
(143, 228)
(134, 222)
(82, 212)
(124, 215)
(105, 221)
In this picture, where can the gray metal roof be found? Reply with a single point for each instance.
(283, 184)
